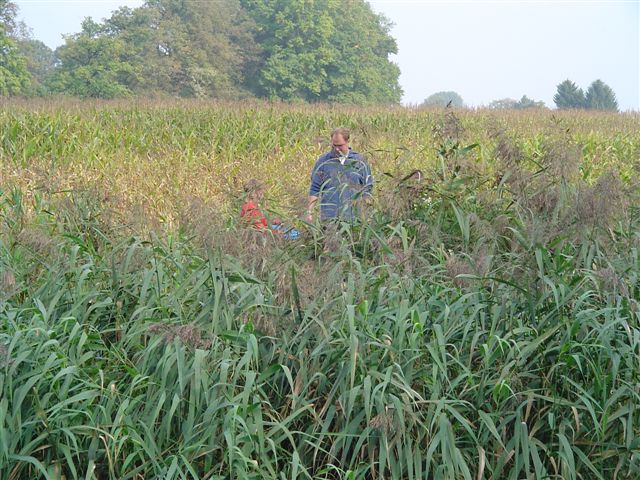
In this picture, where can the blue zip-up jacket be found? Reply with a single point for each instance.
(338, 186)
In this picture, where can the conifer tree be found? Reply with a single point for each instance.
(569, 95)
(600, 96)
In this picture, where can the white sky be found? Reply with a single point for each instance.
(484, 50)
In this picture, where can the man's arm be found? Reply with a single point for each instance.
(314, 190)
(367, 181)
(311, 203)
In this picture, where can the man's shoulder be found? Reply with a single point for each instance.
(357, 155)
(323, 158)
(358, 158)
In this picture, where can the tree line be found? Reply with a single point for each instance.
(294, 50)
(599, 96)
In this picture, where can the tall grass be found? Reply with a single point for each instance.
(483, 323)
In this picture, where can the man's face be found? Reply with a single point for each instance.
(340, 144)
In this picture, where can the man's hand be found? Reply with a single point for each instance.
(308, 215)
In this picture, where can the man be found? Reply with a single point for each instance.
(340, 179)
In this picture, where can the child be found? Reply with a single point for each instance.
(251, 212)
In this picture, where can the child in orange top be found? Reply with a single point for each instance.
(251, 212)
(253, 216)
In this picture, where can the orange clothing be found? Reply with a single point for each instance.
(251, 210)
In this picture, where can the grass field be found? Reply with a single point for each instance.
(481, 324)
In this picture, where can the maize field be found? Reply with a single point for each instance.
(481, 323)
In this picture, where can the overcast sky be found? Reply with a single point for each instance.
(484, 50)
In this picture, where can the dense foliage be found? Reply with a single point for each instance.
(599, 96)
(510, 103)
(569, 95)
(331, 50)
(40, 63)
(17, 66)
(481, 323)
(443, 99)
(14, 77)
(93, 67)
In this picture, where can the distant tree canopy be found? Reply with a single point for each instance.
(510, 103)
(14, 77)
(569, 95)
(92, 66)
(324, 50)
(599, 96)
(442, 99)
(329, 50)
(185, 48)
(526, 102)
(39, 63)
(8, 18)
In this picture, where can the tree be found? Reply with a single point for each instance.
(40, 62)
(511, 104)
(93, 66)
(296, 38)
(503, 104)
(362, 72)
(197, 48)
(14, 77)
(184, 48)
(569, 95)
(34, 55)
(325, 50)
(443, 99)
(601, 97)
(8, 15)
(526, 102)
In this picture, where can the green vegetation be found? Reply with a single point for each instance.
(509, 103)
(40, 62)
(332, 51)
(444, 99)
(599, 96)
(14, 76)
(93, 67)
(569, 95)
(482, 323)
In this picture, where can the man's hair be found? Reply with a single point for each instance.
(343, 132)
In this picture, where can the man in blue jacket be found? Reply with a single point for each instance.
(340, 179)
